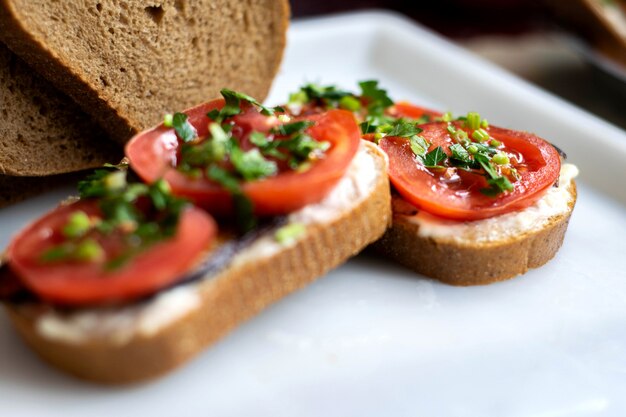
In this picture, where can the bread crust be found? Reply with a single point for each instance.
(471, 263)
(30, 36)
(228, 299)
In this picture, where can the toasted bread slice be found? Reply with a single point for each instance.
(128, 63)
(144, 340)
(43, 132)
(483, 251)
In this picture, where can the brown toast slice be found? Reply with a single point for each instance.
(126, 63)
(481, 253)
(43, 132)
(132, 343)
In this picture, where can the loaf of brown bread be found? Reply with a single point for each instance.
(43, 132)
(126, 63)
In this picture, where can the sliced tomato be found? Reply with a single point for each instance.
(153, 154)
(459, 197)
(82, 283)
(411, 111)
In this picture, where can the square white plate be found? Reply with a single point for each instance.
(373, 339)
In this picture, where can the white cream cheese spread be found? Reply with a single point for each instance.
(554, 202)
(119, 325)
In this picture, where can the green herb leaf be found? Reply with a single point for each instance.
(376, 96)
(485, 163)
(460, 155)
(291, 128)
(224, 178)
(404, 129)
(419, 145)
(327, 93)
(259, 139)
(497, 186)
(234, 98)
(244, 209)
(185, 131)
(252, 165)
(433, 158)
(56, 253)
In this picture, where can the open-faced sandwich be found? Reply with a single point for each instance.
(217, 212)
(472, 203)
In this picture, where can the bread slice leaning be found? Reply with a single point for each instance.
(126, 63)
(43, 132)
(484, 251)
(148, 339)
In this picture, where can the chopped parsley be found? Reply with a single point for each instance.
(139, 214)
(227, 159)
(185, 131)
(473, 148)
(232, 106)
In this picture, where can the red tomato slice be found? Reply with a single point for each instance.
(411, 111)
(460, 198)
(82, 283)
(153, 154)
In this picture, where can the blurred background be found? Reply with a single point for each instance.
(568, 47)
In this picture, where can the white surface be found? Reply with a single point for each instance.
(372, 339)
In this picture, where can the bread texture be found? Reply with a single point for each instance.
(255, 278)
(464, 261)
(43, 132)
(127, 63)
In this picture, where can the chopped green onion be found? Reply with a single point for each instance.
(299, 98)
(289, 233)
(89, 250)
(78, 224)
(56, 253)
(495, 143)
(484, 124)
(472, 149)
(115, 180)
(447, 117)
(473, 120)
(168, 120)
(480, 135)
(217, 132)
(460, 135)
(349, 103)
(500, 159)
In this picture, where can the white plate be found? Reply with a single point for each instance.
(373, 339)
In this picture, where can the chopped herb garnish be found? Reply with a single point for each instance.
(328, 94)
(377, 97)
(123, 210)
(349, 103)
(185, 130)
(434, 158)
(291, 128)
(404, 129)
(168, 120)
(78, 224)
(232, 106)
(252, 165)
(460, 156)
(419, 145)
(244, 209)
(472, 120)
(497, 186)
(480, 135)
